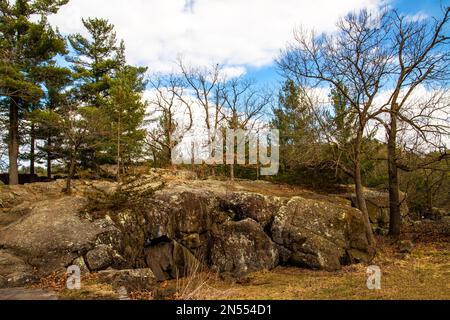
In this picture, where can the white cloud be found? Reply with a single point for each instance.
(429, 108)
(419, 16)
(237, 33)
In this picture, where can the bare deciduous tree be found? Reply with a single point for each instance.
(243, 107)
(371, 55)
(422, 57)
(206, 86)
(353, 60)
(170, 107)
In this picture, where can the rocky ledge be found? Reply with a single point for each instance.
(170, 229)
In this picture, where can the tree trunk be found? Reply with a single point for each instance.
(359, 191)
(258, 171)
(49, 159)
(394, 196)
(70, 176)
(361, 201)
(13, 145)
(429, 204)
(32, 150)
(118, 149)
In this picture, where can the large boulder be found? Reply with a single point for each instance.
(242, 247)
(239, 232)
(319, 235)
(377, 202)
(53, 234)
(255, 206)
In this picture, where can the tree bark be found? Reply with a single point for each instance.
(359, 191)
(394, 196)
(13, 145)
(49, 159)
(429, 205)
(70, 176)
(32, 150)
(118, 148)
(361, 201)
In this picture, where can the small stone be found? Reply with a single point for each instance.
(99, 258)
(81, 264)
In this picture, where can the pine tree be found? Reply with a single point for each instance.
(56, 98)
(342, 120)
(26, 47)
(295, 122)
(343, 117)
(126, 111)
(99, 65)
(79, 129)
(96, 61)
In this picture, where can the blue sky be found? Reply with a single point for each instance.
(431, 8)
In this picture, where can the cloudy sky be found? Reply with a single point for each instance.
(243, 35)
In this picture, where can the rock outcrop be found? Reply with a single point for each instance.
(181, 226)
(242, 247)
(14, 272)
(169, 259)
(377, 202)
(319, 235)
(50, 236)
(236, 232)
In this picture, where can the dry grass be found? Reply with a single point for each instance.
(90, 289)
(141, 295)
(425, 274)
(277, 190)
(202, 286)
(197, 285)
